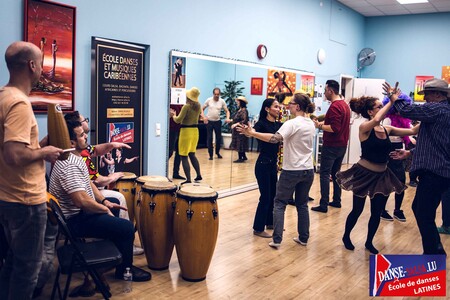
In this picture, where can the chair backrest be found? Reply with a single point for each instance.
(57, 212)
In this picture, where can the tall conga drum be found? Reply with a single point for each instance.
(196, 225)
(140, 181)
(125, 186)
(58, 134)
(156, 222)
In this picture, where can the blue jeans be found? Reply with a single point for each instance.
(266, 175)
(51, 232)
(104, 226)
(330, 163)
(429, 192)
(24, 227)
(290, 181)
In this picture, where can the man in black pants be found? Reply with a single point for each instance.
(212, 120)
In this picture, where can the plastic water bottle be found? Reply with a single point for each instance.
(127, 281)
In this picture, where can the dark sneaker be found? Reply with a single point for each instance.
(386, 216)
(198, 178)
(319, 209)
(398, 214)
(335, 204)
(219, 156)
(210, 158)
(262, 234)
(239, 161)
(178, 176)
(139, 275)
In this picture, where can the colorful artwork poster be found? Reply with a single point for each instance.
(308, 84)
(121, 132)
(280, 82)
(118, 98)
(178, 72)
(407, 275)
(446, 73)
(51, 27)
(418, 86)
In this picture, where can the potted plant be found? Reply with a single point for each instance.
(231, 91)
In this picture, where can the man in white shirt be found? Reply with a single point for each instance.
(212, 120)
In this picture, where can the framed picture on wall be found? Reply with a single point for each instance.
(51, 27)
(256, 86)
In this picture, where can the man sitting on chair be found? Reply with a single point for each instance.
(87, 217)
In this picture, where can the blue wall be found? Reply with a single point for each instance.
(292, 30)
(408, 46)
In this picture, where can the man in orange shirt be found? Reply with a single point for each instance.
(23, 209)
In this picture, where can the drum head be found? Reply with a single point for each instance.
(152, 186)
(197, 191)
(128, 176)
(147, 178)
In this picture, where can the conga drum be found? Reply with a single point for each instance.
(196, 224)
(156, 222)
(125, 186)
(137, 195)
(58, 134)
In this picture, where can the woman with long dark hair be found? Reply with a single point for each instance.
(266, 167)
(370, 175)
(239, 142)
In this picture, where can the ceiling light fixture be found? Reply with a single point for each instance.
(411, 1)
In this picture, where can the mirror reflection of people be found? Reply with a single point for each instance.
(266, 169)
(188, 139)
(239, 142)
(215, 105)
(174, 134)
(120, 162)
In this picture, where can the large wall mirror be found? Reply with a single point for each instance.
(206, 73)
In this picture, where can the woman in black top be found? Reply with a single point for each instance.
(370, 175)
(266, 168)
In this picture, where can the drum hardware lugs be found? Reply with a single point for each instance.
(215, 213)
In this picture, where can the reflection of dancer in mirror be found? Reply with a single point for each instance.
(188, 139)
(178, 66)
(121, 161)
(42, 46)
(281, 84)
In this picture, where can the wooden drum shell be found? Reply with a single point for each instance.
(125, 185)
(140, 181)
(195, 238)
(156, 223)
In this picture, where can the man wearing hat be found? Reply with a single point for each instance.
(212, 120)
(431, 157)
(239, 142)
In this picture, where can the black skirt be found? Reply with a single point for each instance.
(364, 182)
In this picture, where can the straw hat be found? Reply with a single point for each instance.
(435, 84)
(242, 98)
(193, 94)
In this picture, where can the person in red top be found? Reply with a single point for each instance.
(336, 131)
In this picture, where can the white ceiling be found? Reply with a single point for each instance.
(372, 8)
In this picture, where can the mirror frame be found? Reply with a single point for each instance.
(179, 53)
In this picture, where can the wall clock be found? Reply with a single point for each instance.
(261, 51)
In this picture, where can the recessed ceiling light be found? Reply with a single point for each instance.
(411, 1)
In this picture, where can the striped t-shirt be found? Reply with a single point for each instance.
(69, 176)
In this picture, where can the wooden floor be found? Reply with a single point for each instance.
(245, 267)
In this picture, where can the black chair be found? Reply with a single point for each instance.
(79, 256)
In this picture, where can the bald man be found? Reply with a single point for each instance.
(22, 178)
